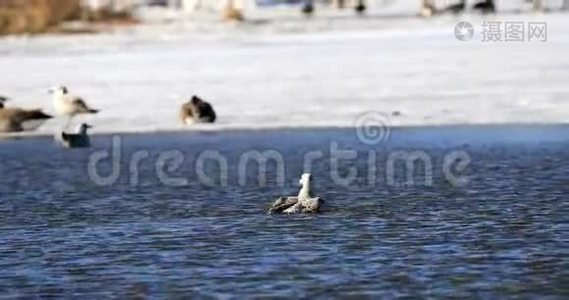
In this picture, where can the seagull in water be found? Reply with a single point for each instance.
(303, 203)
(66, 104)
(80, 139)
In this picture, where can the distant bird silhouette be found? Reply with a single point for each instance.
(79, 139)
(360, 7)
(308, 8)
(230, 13)
(66, 104)
(427, 9)
(3, 99)
(17, 120)
(456, 8)
(485, 6)
(197, 111)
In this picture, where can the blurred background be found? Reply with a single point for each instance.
(33, 16)
(294, 63)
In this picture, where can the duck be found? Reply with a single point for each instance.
(18, 120)
(68, 105)
(197, 111)
(303, 203)
(79, 139)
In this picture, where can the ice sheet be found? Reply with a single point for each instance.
(297, 73)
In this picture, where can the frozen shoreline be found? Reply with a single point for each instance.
(259, 77)
(529, 130)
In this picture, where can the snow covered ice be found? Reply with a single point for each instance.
(299, 73)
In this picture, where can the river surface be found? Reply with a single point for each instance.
(485, 215)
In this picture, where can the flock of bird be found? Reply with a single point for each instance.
(308, 7)
(428, 7)
(69, 106)
(194, 111)
(484, 6)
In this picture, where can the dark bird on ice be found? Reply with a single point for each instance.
(197, 111)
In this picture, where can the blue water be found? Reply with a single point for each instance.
(503, 233)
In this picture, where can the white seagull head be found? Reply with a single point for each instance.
(305, 179)
(58, 90)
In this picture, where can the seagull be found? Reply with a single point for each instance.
(80, 139)
(197, 111)
(68, 105)
(3, 99)
(303, 203)
(18, 120)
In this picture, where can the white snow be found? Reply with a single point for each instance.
(297, 73)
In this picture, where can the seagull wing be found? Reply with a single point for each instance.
(282, 204)
(33, 119)
(36, 114)
(312, 205)
(81, 106)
